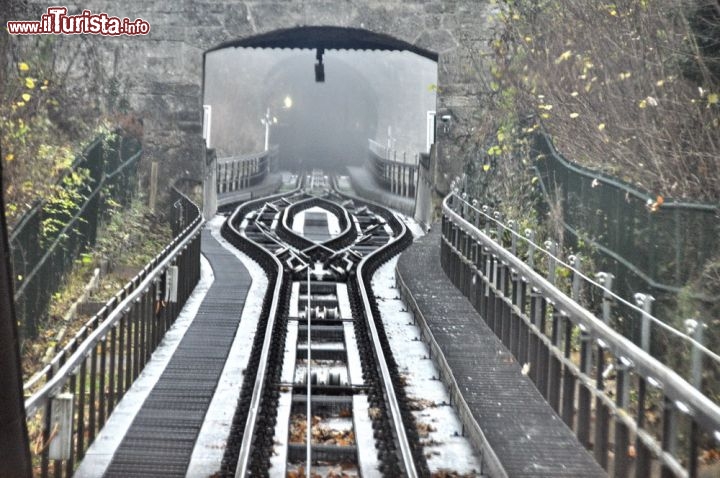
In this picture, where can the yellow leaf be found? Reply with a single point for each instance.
(601, 126)
(29, 83)
(9, 157)
(23, 66)
(486, 167)
(545, 107)
(20, 103)
(534, 180)
(659, 83)
(26, 97)
(642, 104)
(564, 56)
(574, 94)
(574, 115)
(544, 115)
(613, 12)
(713, 98)
(528, 39)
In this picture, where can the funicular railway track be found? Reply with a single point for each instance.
(320, 320)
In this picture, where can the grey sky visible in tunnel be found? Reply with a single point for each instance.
(366, 94)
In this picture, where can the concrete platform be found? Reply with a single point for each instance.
(526, 434)
(269, 185)
(365, 186)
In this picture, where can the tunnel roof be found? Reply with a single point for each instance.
(329, 38)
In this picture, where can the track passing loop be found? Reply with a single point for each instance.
(322, 385)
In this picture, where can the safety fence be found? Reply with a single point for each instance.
(49, 238)
(647, 241)
(242, 172)
(78, 390)
(625, 402)
(398, 175)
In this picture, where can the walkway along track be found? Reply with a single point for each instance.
(368, 237)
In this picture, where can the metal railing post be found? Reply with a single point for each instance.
(622, 434)
(645, 302)
(695, 328)
(605, 279)
(551, 246)
(530, 234)
(513, 237)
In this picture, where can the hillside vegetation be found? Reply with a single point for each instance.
(45, 119)
(630, 88)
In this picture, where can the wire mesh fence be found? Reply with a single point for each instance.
(646, 245)
(657, 240)
(51, 236)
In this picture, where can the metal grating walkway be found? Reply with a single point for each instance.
(160, 440)
(524, 431)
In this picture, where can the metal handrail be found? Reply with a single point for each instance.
(250, 156)
(705, 412)
(70, 347)
(70, 224)
(60, 378)
(608, 292)
(383, 155)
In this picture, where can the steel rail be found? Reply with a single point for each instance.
(393, 404)
(705, 412)
(61, 377)
(259, 386)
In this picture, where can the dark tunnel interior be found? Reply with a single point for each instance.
(260, 95)
(323, 125)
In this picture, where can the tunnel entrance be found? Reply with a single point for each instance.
(262, 93)
(320, 125)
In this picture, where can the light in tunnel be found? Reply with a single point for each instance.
(288, 102)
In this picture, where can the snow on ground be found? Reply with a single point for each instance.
(416, 229)
(445, 447)
(298, 221)
(210, 445)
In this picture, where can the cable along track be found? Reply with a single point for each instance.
(319, 295)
